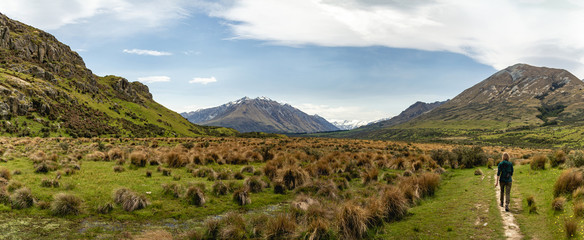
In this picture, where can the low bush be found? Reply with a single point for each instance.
(22, 198)
(576, 159)
(469, 157)
(66, 204)
(557, 158)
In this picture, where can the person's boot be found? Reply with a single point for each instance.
(506, 208)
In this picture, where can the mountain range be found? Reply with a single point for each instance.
(48, 91)
(260, 115)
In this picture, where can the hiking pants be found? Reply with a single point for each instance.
(505, 192)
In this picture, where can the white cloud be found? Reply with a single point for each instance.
(147, 52)
(494, 32)
(105, 18)
(203, 81)
(153, 79)
(344, 112)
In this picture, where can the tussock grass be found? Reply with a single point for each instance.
(571, 227)
(105, 208)
(293, 177)
(22, 198)
(558, 204)
(66, 204)
(369, 175)
(538, 162)
(241, 197)
(352, 220)
(428, 183)
(578, 209)
(568, 181)
(195, 196)
(395, 203)
(219, 188)
(129, 200)
(5, 173)
(254, 184)
(4, 196)
(282, 226)
(139, 158)
(234, 227)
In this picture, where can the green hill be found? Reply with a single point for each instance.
(46, 90)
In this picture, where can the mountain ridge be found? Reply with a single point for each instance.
(260, 115)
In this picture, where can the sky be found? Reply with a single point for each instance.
(341, 59)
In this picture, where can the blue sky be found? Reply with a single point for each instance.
(342, 59)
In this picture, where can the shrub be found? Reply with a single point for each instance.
(352, 220)
(241, 196)
(568, 181)
(469, 157)
(442, 156)
(538, 162)
(530, 201)
(129, 200)
(282, 226)
(571, 226)
(66, 204)
(5, 173)
(395, 203)
(195, 196)
(558, 203)
(576, 159)
(254, 184)
(219, 188)
(105, 208)
(138, 158)
(22, 198)
(293, 177)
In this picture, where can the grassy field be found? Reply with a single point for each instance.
(264, 188)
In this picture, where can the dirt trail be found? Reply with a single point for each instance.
(509, 224)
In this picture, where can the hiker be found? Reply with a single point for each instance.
(504, 173)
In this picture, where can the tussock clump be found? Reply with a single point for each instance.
(279, 187)
(22, 198)
(370, 175)
(166, 172)
(148, 173)
(410, 188)
(195, 196)
(175, 159)
(352, 220)
(3, 182)
(530, 201)
(43, 205)
(238, 176)
(258, 224)
(247, 169)
(224, 175)
(568, 181)
(417, 166)
(129, 200)
(119, 169)
(407, 173)
(50, 183)
(5, 173)
(139, 158)
(212, 229)
(14, 185)
(557, 158)
(293, 177)
(241, 196)
(66, 204)
(428, 183)
(172, 189)
(558, 204)
(4, 196)
(203, 172)
(478, 172)
(389, 177)
(578, 208)
(281, 226)
(114, 154)
(254, 184)
(219, 188)
(44, 167)
(395, 203)
(538, 162)
(578, 194)
(95, 156)
(105, 208)
(376, 211)
(319, 229)
(233, 227)
(571, 227)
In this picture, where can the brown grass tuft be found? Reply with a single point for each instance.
(352, 220)
(139, 158)
(428, 183)
(294, 177)
(558, 203)
(369, 175)
(22, 198)
(571, 227)
(5, 173)
(254, 184)
(281, 226)
(395, 203)
(66, 204)
(538, 162)
(568, 181)
(578, 209)
(195, 196)
(241, 196)
(129, 200)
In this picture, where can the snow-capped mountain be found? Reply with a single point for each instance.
(348, 124)
(260, 115)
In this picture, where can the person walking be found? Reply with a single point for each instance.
(504, 173)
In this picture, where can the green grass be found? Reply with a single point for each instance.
(462, 205)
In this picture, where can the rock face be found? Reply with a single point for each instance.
(410, 113)
(260, 115)
(44, 85)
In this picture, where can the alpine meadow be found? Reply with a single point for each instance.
(390, 120)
